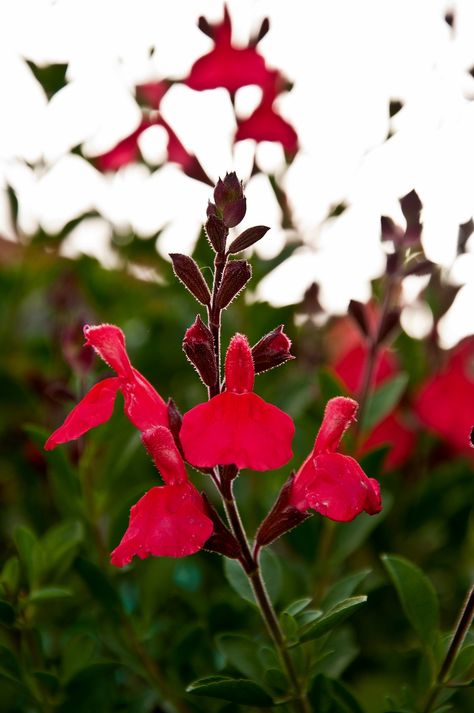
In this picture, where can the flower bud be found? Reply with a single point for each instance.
(390, 322)
(72, 342)
(358, 312)
(248, 238)
(187, 271)
(222, 540)
(282, 518)
(198, 345)
(230, 200)
(236, 275)
(216, 232)
(175, 420)
(272, 350)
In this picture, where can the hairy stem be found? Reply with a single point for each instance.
(251, 568)
(463, 624)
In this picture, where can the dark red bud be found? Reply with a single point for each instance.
(390, 322)
(230, 200)
(282, 518)
(205, 27)
(272, 350)
(198, 345)
(236, 275)
(264, 28)
(358, 312)
(393, 263)
(187, 271)
(79, 357)
(471, 438)
(310, 303)
(234, 213)
(222, 540)
(175, 420)
(248, 238)
(211, 210)
(391, 231)
(217, 233)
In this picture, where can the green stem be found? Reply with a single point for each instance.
(463, 625)
(251, 568)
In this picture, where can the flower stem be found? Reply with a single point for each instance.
(252, 569)
(463, 624)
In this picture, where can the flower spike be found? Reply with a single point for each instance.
(237, 427)
(331, 483)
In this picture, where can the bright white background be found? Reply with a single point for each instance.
(347, 61)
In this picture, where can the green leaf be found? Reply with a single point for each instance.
(417, 597)
(241, 652)
(9, 666)
(384, 399)
(99, 586)
(351, 535)
(77, 655)
(331, 696)
(463, 668)
(297, 606)
(7, 613)
(235, 690)
(344, 588)
(25, 541)
(48, 593)
(330, 385)
(60, 546)
(332, 618)
(271, 572)
(10, 577)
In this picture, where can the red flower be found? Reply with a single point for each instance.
(237, 427)
(169, 520)
(331, 483)
(265, 123)
(391, 430)
(225, 65)
(445, 403)
(127, 151)
(143, 405)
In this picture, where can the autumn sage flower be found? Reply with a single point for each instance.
(331, 483)
(169, 520)
(237, 426)
(143, 405)
(445, 402)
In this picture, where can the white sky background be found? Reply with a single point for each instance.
(347, 61)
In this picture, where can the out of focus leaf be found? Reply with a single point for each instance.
(236, 690)
(384, 399)
(47, 593)
(9, 666)
(59, 546)
(77, 654)
(7, 613)
(271, 572)
(332, 696)
(25, 542)
(344, 588)
(241, 652)
(417, 597)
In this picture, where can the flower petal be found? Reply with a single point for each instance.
(109, 343)
(143, 405)
(95, 408)
(335, 486)
(168, 521)
(239, 369)
(240, 429)
(160, 444)
(339, 413)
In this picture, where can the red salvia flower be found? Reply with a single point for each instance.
(127, 151)
(169, 520)
(237, 427)
(265, 123)
(331, 483)
(143, 405)
(445, 404)
(225, 65)
(391, 430)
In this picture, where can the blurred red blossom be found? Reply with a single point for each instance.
(265, 123)
(237, 426)
(349, 365)
(331, 483)
(445, 403)
(226, 65)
